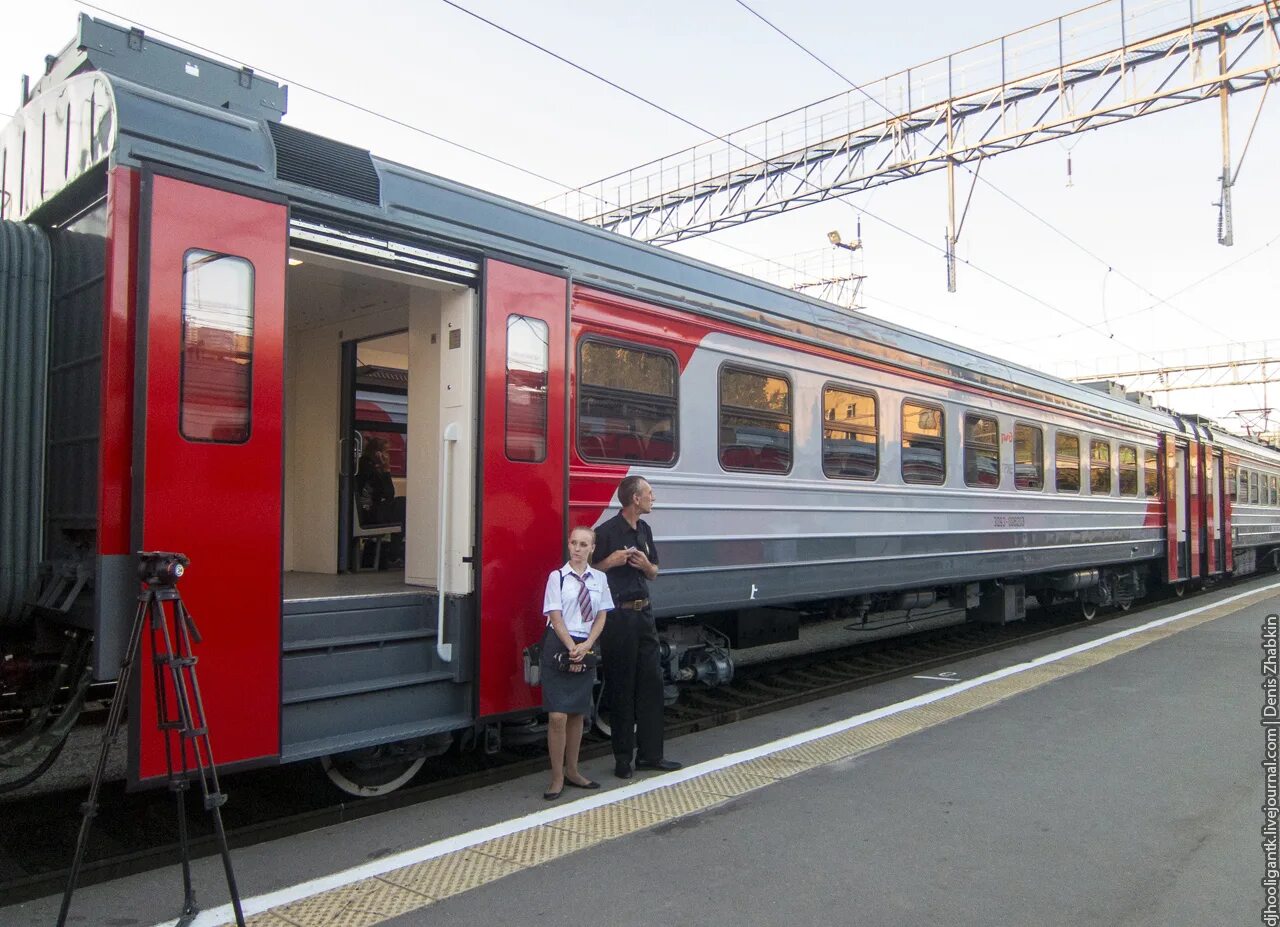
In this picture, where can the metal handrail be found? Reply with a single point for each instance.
(449, 438)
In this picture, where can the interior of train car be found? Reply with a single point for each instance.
(369, 366)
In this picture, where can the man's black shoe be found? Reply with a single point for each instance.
(622, 770)
(661, 765)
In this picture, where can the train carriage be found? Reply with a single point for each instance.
(233, 307)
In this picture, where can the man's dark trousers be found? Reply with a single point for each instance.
(633, 682)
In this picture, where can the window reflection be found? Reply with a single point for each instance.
(217, 347)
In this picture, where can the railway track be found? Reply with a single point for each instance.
(136, 832)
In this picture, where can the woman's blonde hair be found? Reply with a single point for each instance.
(588, 529)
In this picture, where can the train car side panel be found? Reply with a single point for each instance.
(208, 451)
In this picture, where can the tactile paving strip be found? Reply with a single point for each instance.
(361, 904)
(450, 874)
(609, 821)
(535, 845)
(392, 894)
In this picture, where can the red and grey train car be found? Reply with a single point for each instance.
(208, 311)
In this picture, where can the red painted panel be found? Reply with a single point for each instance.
(1228, 551)
(220, 504)
(1195, 472)
(522, 530)
(1213, 468)
(116, 424)
(1172, 503)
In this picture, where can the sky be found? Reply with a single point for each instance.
(1139, 208)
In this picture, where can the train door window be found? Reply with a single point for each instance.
(1028, 457)
(1128, 463)
(1067, 462)
(1253, 487)
(1151, 474)
(755, 421)
(924, 444)
(1275, 492)
(1100, 468)
(850, 434)
(627, 403)
(981, 451)
(527, 366)
(1241, 486)
(217, 347)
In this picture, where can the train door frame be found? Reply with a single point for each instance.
(213, 496)
(1175, 449)
(1196, 502)
(1214, 511)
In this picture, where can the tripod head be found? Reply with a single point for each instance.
(160, 568)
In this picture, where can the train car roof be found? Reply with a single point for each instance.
(132, 100)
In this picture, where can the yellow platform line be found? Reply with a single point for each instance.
(377, 898)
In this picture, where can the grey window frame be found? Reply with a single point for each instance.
(875, 400)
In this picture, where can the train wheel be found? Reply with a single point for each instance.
(1088, 610)
(371, 772)
(1179, 589)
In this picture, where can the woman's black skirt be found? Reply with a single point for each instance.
(563, 691)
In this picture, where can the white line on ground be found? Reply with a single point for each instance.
(224, 914)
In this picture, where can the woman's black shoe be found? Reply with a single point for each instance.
(589, 784)
(552, 796)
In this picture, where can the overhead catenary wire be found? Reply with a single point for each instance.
(719, 137)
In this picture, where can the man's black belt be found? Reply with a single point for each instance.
(633, 605)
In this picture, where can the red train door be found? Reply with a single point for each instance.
(1195, 507)
(207, 451)
(1213, 511)
(524, 472)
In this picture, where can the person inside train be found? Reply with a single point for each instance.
(376, 498)
(575, 602)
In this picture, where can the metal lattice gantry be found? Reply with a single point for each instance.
(1104, 64)
(1240, 364)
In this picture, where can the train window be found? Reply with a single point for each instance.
(1275, 492)
(850, 435)
(1253, 488)
(1067, 462)
(1231, 483)
(1028, 457)
(924, 444)
(1151, 474)
(1100, 468)
(1128, 462)
(1243, 484)
(755, 421)
(981, 451)
(217, 347)
(627, 403)
(527, 366)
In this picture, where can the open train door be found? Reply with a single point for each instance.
(1175, 452)
(525, 472)
(207, 452)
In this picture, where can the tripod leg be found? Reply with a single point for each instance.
(192, 706)
(90, 806)
(166, 672)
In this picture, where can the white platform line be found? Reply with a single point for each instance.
(259, 903)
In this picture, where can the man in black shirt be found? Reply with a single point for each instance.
(633, 676)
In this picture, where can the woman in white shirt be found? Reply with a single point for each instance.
(575, 603)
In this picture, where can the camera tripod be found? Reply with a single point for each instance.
(179, 715)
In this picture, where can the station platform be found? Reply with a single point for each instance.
(1110, 775)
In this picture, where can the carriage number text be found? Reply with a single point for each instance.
(1010, 521)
